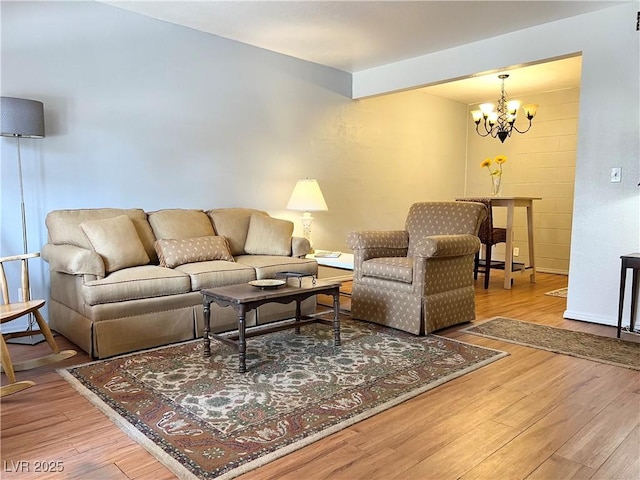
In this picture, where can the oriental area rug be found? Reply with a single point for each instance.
(561, 292)
(612, 351)
(203, 419)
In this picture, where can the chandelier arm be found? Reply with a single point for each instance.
(485, 129)
(522, 131)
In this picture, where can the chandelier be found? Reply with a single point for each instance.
(501, 123)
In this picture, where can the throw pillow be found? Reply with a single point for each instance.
(117, 241)
(268, 236)
(233, 224)
(174, 252)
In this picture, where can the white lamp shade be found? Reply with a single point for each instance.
(307, 197)
(20, 117)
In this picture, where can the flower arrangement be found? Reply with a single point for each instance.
(496, 173)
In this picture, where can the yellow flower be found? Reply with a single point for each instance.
(485, 163)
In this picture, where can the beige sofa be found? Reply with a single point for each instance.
(124, 279)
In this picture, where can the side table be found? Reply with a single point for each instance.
(631, 261)
(336, 268)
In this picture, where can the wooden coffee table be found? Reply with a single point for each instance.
(244, 298)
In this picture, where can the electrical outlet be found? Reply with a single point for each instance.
(516, 251)
(616, 175)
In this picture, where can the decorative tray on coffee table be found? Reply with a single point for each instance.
(268, 283)
(299, 276)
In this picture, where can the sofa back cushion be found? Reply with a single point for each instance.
(233, 224)
(179, 223)
(116, 240)
(63, 226)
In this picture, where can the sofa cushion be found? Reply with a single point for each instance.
(389, 268)
(268, 236)
(233, 224)
(135, 283)
(116, 241)
(216, 273)
(174, 252)
(267, 266)
(63, 226)
(180, 223)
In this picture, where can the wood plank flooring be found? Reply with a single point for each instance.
(533, 415)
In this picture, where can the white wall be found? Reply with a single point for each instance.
(143, 113)
(606, 216)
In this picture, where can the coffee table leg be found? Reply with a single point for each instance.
(206, 308)
(297, 330)
(242, 343)
(336, 317)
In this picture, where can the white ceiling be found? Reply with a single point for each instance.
(357, 35)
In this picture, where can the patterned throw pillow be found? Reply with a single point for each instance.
(117, 241)
(174, 252)
(268, 236)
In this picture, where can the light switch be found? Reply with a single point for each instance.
(616, 174)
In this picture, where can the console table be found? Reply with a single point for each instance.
(631, 261)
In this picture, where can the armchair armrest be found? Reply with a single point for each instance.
(73, 260)
(384, 239)
(300, 247)
(376, 244)
(447, 246)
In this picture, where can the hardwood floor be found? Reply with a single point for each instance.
(534, 415)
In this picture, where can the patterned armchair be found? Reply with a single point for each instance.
(419, 279)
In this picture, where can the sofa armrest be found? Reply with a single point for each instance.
(73, 260)
(300, 247)
(447, 246)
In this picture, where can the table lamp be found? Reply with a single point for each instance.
(307, 197)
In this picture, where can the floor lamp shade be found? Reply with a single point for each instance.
(20, 117)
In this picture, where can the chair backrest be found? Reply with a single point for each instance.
(443, 218)
(485, 233)
(24, 277)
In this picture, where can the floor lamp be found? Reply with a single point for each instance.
(22, 118)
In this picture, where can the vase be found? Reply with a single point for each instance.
(496, 185)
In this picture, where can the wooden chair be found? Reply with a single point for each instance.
(11, 311)
(489, 236)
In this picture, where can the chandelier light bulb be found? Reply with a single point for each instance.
(486, 109)
(530, 110)
(513, 106)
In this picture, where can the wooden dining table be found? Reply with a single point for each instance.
(511, 203)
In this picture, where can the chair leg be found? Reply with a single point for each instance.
(476, 265)
(7, 367)
(56, 356)
(487, 268)
(46, 331)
